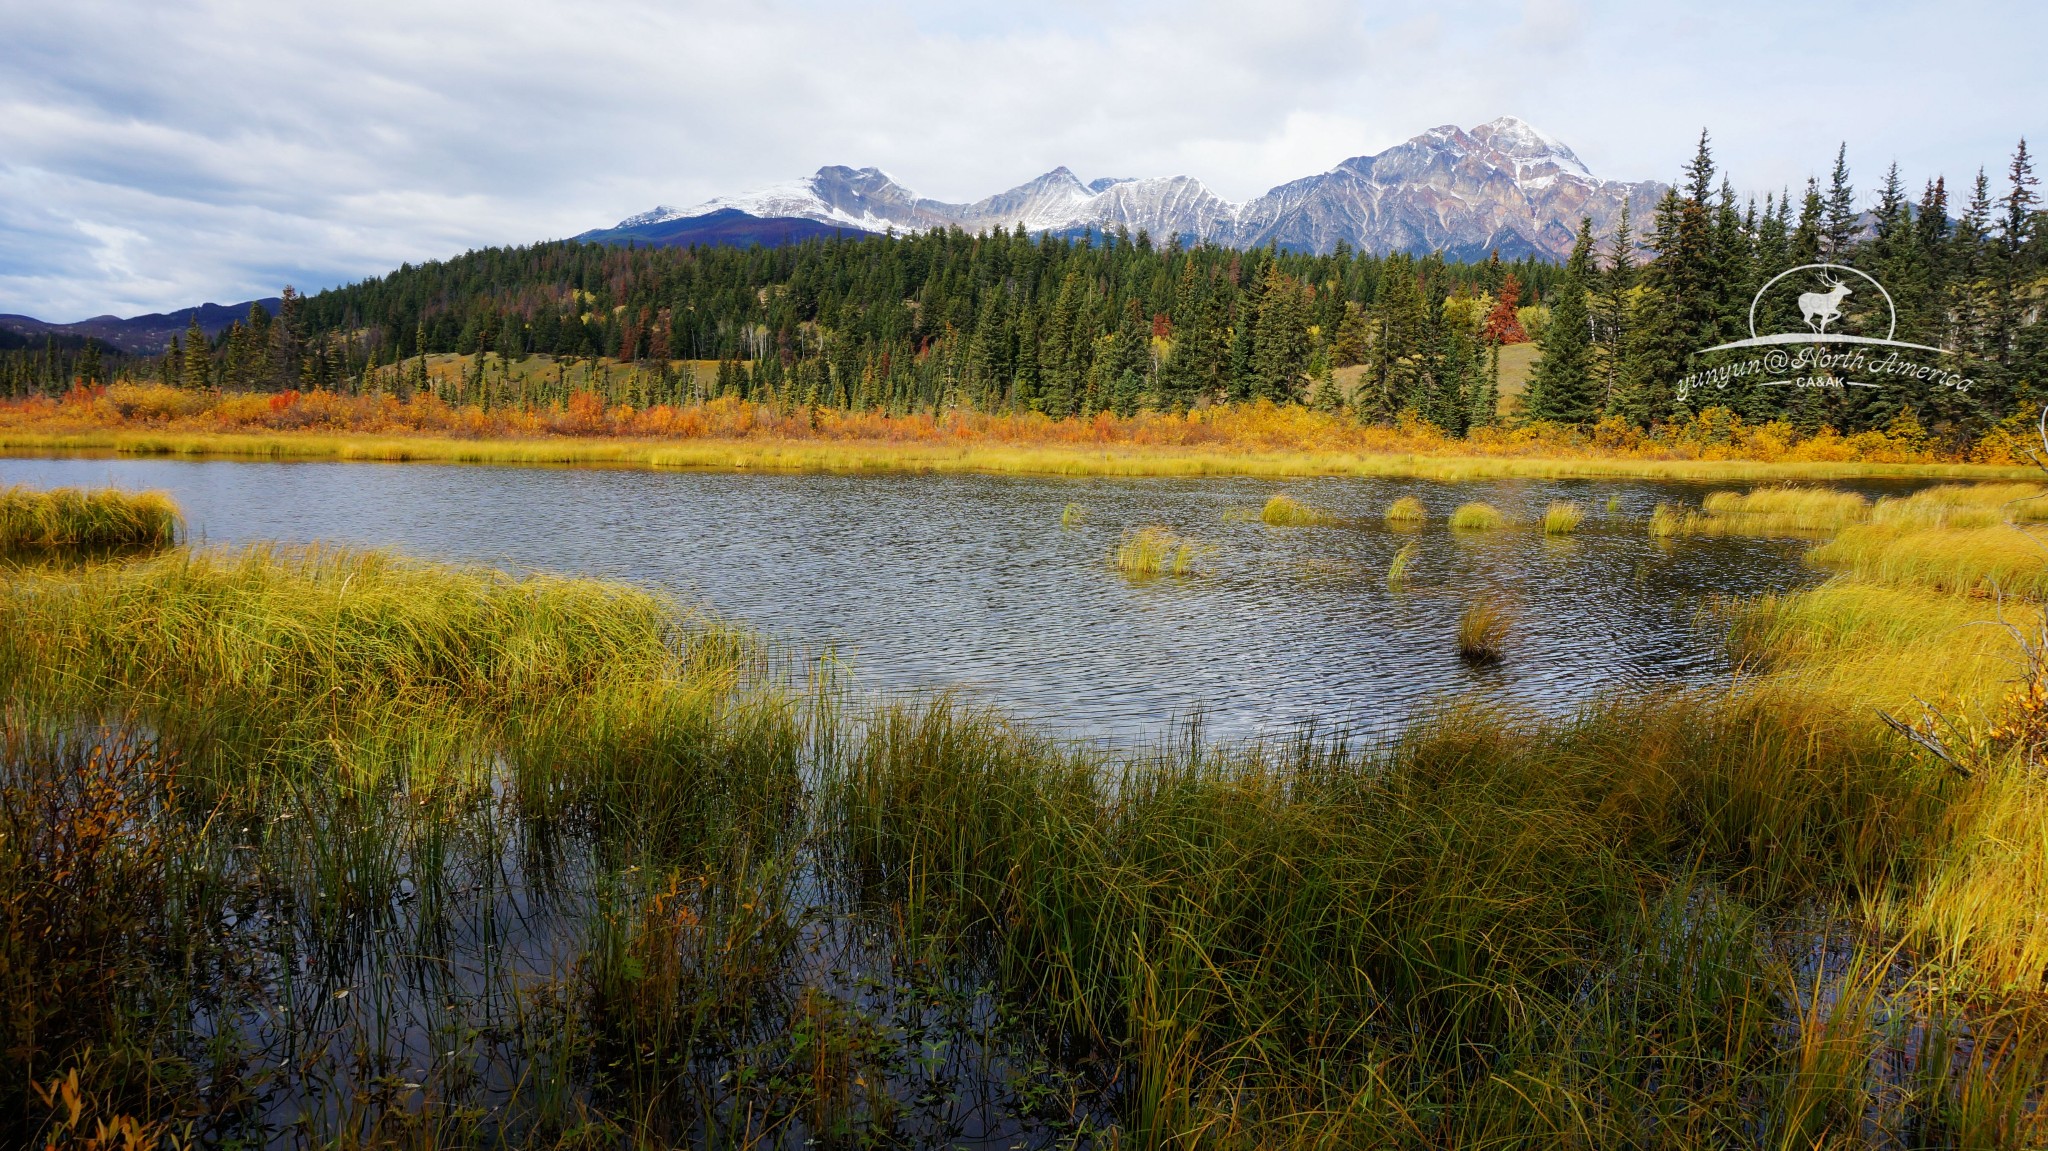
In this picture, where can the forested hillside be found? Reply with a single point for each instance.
(1007, 322)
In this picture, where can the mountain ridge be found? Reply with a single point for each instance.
(1503, 186)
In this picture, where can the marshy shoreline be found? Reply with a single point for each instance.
(323, 846)
(920, 456)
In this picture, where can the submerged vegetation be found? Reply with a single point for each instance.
(351, 849)
(67, 519)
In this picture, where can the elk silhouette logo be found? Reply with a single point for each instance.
(1819, 309)
(1818, 354)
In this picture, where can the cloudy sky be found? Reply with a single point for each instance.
(159, 153)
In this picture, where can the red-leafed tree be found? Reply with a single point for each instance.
(1502, 325)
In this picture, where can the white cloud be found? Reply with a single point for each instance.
(156, 155)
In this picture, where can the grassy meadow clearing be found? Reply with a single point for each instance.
(344, 848)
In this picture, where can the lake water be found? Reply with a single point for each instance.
(970, 582)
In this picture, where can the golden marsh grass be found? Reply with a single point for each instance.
(72, 519)
(1562, 518)
(1286, 511)
(1152, 551)
(1476, 517)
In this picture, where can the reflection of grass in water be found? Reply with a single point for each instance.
(1562, 518)
(770, 904)
(1482, 632)
(1073, 515)
(1286, 511)
(1406, 512)
(72, 519)
(1397, 569)
(1155, 551)
(1476, 517)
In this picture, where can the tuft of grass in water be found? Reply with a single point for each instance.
(1153, 550)
(1397, 569)
(1406, 512)
(74, 519)
(1286, 511)
(1072, 515)
(1483, 632)
(1476, 517)
(1798, 512)
(1562, 518)
(1613, 505)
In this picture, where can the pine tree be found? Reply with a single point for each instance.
(2012, 290)
(1562, 389)
(1839, 224)
(1393, 372)
(1612, 301)
(198, 366)
(1059, 361)
(1280, 343)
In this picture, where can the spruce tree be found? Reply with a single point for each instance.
(1562, 389)
(1839, 224)
(198, 366)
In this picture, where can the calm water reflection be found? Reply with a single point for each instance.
(970, 582)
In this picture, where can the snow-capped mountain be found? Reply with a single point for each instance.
(1503, 185)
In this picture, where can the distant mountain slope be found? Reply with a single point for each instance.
(1502, 186)
(726, 226)
(140, 334)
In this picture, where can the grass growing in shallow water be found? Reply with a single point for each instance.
(1286, 511)
(1406, 512)
(1562, 518)
(72, 519)
(1397, 568)
(1476, 517)
(375, 825)
(1155, 551)
(1482, 632)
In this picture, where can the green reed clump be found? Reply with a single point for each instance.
(1562, 518)
(1397, 568)
(1155, 551)
(75, 519)
(1492, 888)
(1073, 515)
(1476, 517)
(277, 659)
(1483, 632)
(1286, 511)
(1406, 512)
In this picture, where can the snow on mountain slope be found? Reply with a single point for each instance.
(1502, 185)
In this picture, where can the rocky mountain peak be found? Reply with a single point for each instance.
(1503, 185)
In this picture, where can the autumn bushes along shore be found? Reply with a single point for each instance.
(111, 417)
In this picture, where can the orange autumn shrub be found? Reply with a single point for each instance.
(1713, 434)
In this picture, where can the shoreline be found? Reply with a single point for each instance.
(910, 457)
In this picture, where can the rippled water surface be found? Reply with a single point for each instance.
(970, 582)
